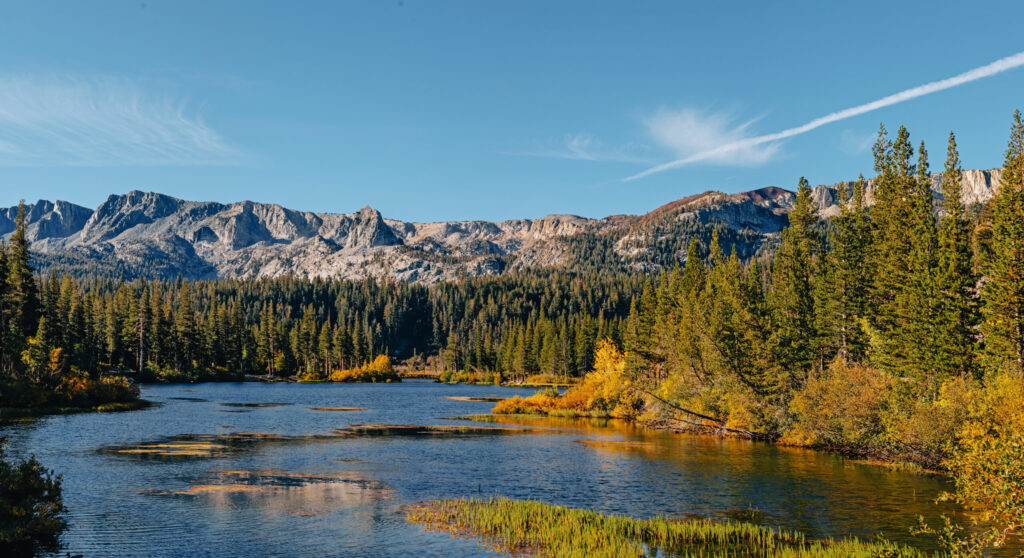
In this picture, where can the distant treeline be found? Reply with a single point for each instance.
(518, 323)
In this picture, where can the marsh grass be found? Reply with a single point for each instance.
(898, 466)
(430, 430)
(525, 527)
(488, 399)
(254, 405)
(618, 445)
(205, 446)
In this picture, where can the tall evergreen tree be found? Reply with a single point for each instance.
(914, 350)
(841, 289)
(21, 302)
(955, 280)
(1003, 292)
(791, 297)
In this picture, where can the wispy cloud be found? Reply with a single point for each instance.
(854, 143)
(686, 132)
(585, 147)
(1001, 65)
(100, 121)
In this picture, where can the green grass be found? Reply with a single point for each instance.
(537, 529)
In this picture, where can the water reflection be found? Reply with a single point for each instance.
(614, 467)
(273, 491)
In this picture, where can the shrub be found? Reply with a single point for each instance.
(468, 377)
(311, 376)
(30, 508)
(78, 389)
(841, 407)
(987, 464)
(927, 427)
(20, 394)
(379, 370)
(115, 389)
(606, 391)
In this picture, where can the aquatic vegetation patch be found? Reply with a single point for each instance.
(429, 430)
(748, 514)
(582, 423)
(278, 491)
(898, 466)
(617, 445)
(204, 446)
(187, 446)
(486, 399)
(525, 527)
(121, 406)
(255, 405)
(339, 409)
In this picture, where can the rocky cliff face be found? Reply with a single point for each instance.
(144, 234)
(978, 187)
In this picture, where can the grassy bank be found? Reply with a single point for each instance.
(537, 529)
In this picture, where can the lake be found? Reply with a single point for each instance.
(180, 479)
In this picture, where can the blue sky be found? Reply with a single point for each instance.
(479, 109)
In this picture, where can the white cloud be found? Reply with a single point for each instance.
(1001, 65)
(100, 121)
(855, 143)
(585, 147)
(687, 132)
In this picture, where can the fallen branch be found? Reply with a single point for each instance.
(719, 423)
(677, 407)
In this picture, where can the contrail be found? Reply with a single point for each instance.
(985, 71)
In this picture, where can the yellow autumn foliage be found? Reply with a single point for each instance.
(604, 392)
(379, 370)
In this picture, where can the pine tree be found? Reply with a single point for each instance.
(904, 252)
(957, 312)
(915, 306)
(1003, 293)
(791, 298)
(21, 303)
(185, 331)
(841, 289)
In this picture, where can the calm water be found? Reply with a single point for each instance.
(342, 497)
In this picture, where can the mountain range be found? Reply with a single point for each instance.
(146, 234)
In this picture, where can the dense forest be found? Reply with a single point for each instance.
(515, 324)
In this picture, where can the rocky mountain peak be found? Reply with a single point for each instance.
(122, 212)
(150, 234)
(369, 231)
